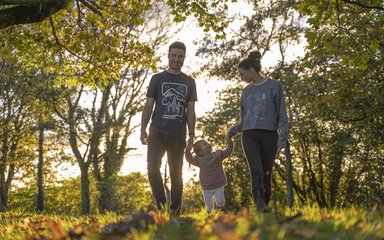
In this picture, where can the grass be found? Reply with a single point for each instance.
(306, 223)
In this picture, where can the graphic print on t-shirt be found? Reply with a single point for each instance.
(173, 99)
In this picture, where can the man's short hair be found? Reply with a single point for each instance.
(179, 45)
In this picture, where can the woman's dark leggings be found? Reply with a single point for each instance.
(260, 147)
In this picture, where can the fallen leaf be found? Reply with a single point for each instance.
(56, 230)
(324, 214)
(306, 233)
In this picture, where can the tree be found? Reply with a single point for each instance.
(18, 114)
(45, 123)
(62, 197)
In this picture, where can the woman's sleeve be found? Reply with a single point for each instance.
(282, 119)
(238, 127)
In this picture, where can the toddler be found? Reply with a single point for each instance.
(212, 176)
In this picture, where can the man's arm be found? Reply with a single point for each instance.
(146, 115)
(191, 121)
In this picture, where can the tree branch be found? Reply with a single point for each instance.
(92, 8)
(363, 5)
(338, 25)
(64, 47)
(24, 2)
(24, 13)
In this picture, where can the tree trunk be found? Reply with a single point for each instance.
(85, 194)
(40, 189)
(2, 208)
(288, 175)
(336, 173)
(107, 198)
(4, 149)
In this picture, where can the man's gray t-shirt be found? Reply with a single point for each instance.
(172, 93)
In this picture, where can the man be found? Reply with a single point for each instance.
(174, 93)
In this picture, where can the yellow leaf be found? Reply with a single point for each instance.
(56, 229)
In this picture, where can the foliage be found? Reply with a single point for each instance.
(209, 14)
(193, 200)
(115, 30)
(344, 65)
(132, 195)
(23, 103)
(309, 223)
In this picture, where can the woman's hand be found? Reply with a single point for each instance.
(227, 138)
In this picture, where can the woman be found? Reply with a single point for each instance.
(264, 126)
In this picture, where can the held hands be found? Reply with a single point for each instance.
(190, 143)
(227, 138)
(188, 148)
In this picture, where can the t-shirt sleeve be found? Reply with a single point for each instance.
(152, 89)
(193, 94)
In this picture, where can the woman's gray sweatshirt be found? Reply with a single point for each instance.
(263, 107)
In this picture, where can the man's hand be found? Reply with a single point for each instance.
(188, 148)
(190, 141)
(144, 137)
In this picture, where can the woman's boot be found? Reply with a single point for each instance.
(259, 202)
